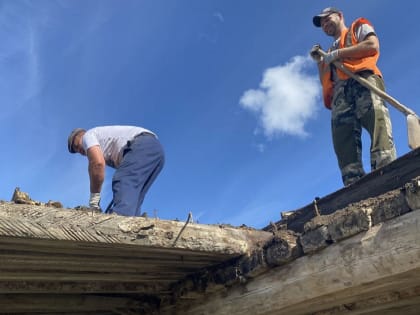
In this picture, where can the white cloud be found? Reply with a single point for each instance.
(286, 99)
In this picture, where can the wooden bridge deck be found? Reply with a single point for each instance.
(360, 256)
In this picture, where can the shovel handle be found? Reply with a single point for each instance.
(405, 110)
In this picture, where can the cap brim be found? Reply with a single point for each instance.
(317, 18)
(70, 147)
(317, 21)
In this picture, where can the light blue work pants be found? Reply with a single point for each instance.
(142, 162)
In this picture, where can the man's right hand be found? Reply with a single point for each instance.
(316, 56)
(94, 200)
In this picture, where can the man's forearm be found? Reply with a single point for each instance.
(365, 48)
(96, 175)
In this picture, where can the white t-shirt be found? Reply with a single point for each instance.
(111, 140)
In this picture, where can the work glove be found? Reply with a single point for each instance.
(94, 200)
(316, 56)
(330, 57)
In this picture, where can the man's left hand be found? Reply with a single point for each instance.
(331, 57)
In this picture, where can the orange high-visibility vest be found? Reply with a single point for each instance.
(347, 39)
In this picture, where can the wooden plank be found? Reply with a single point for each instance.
(31, 246)
(101, 264)
(21, 275)
(14, 303)
(38, 222)
(63, 250)
(387, 301)
(22, 259)
(384, 259)
(389, 177)
(82, 287)
(49, 255)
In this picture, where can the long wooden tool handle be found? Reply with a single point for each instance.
(405, 110)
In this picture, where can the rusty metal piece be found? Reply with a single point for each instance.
(189, 219)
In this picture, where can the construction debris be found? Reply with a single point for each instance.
(21, 197)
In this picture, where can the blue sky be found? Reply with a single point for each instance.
(227, 86)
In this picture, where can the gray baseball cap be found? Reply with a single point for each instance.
(327, 11)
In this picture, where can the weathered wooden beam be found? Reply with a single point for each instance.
(357, 217)
(318, 233)
(37, 222)
(286, 246)
(50, 260)
(385, 258)
(282, 249)
(63, 248)
(404, 301)
(50, 254)
(27, 286)
(104, 263)
(389, 177)
(18, 303)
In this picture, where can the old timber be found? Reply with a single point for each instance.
(356, 252)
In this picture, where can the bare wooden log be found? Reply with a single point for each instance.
(405, 301)
(383, 259)
(89, 259)
(355, 218)
(18, 303)
(35, 222)
(89, 286)
(282, 249)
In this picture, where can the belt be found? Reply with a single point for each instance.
(130, 142)
(125, 149)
